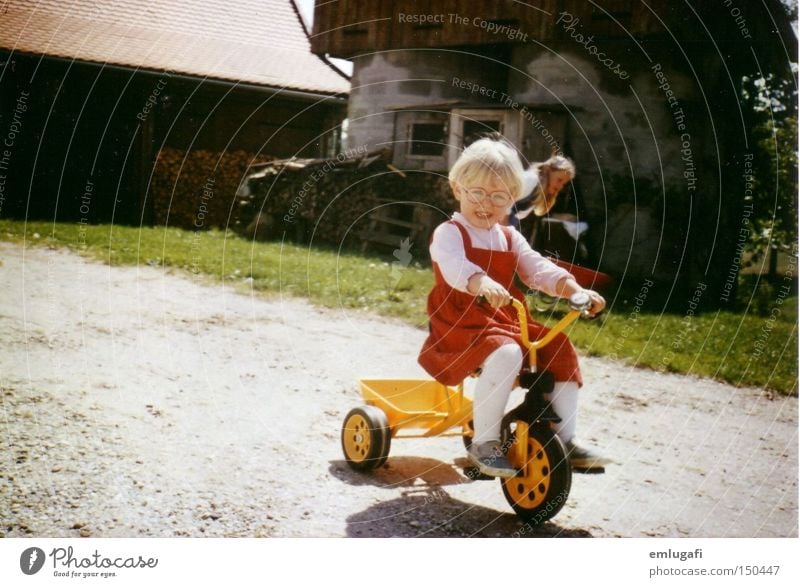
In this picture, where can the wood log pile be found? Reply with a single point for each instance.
(197, 190)
(335, 201)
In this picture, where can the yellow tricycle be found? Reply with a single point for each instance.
(420, 408)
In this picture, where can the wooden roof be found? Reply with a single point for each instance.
(345, 28)
(260, 42)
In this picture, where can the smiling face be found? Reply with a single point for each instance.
(483, 212)
(486, 179)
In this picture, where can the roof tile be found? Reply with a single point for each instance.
(249, 41)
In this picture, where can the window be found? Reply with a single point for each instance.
(427, 139)
(469, 124)
(420, 139)
(433, 139)
(475, 129)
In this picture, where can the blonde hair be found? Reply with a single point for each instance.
(488, 158)
(541, 203)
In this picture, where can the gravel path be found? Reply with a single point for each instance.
(136, 402)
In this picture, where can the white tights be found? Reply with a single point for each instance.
(564, 399)
(494, 386)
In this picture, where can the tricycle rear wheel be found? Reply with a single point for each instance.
(542, 486)
(366, 438)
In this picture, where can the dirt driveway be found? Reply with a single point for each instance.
(136, 402)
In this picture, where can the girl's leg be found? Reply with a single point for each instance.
(492, 390)
(564, 400)
(494, 385)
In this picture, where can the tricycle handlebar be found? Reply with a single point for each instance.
(579, 303)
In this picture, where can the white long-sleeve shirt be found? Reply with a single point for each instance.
(447, 251)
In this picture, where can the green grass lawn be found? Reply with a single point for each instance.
(736, 348)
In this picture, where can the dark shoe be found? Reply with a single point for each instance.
(583, 458)
(490, 459)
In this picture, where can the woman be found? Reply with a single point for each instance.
(542, 183)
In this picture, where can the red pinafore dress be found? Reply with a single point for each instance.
(463, 332)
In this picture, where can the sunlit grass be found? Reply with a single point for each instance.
(741, 349)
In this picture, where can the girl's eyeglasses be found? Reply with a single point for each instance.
(498, 199)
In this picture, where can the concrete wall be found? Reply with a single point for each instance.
(623, 135)
(384, 82)
(637, 149)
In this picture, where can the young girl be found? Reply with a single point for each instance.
(475, 256)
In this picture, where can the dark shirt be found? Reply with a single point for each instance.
(522, 205)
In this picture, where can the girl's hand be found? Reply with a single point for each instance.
(481, 284)
(598, 302)
(568, 286)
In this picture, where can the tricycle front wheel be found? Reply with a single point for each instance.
(366, 438)
(540, 489)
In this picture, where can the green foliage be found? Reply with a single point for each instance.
(738, 348)
(771, 106)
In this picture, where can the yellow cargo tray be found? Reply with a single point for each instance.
(422, 405)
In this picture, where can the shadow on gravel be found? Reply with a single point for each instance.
(438, 515)
(426, 509)
(419, 472)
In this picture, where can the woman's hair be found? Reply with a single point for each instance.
(558, 163)
(489, 158)
(541, 203)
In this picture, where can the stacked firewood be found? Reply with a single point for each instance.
(330, 201)
(334, 201)
(197, 190)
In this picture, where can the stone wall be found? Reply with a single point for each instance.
(637, 135)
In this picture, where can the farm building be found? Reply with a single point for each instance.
(644, 96)
(139, 112)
